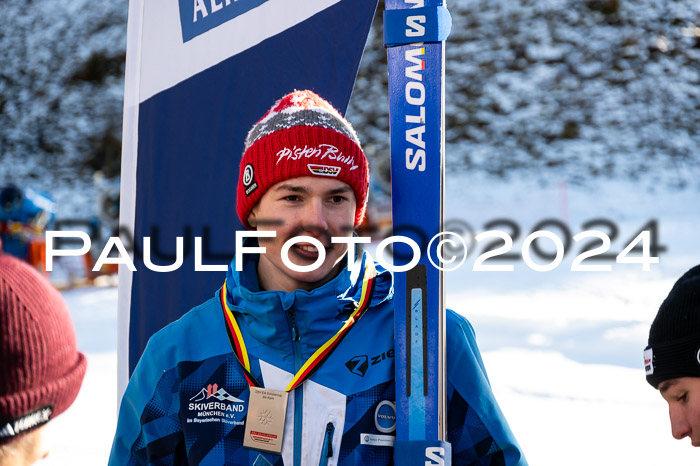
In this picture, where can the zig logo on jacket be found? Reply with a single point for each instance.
(359, 365)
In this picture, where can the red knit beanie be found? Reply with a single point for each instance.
(301, 135)
(40, 367)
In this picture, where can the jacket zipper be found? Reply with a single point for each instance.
(327, 450)
(298, 392)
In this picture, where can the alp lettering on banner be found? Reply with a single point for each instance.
(199, 16)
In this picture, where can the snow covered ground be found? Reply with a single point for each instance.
(563, 349)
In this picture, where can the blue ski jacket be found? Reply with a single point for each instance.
(187, 399)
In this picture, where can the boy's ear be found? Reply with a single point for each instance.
(252, 218)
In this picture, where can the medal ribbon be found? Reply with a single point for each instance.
(236, 339)
(321, 354)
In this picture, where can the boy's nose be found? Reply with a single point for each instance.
(314, 216)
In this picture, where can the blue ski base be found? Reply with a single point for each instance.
(422, 453)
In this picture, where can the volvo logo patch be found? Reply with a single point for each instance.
(385, 417)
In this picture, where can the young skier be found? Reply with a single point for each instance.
(295, 367)
(672, 357)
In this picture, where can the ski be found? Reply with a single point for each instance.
(414, 33)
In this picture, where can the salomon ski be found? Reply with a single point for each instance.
(414, 31)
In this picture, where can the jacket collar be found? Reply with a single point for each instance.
(317, 314)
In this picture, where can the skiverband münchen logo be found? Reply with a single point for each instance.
(214, 404)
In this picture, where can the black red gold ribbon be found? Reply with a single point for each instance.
(321, 354)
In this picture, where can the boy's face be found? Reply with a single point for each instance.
(683, 397)
(306, 206)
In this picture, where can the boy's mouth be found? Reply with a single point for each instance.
(306, 251)
(308, 248)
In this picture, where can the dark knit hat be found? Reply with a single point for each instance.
(301, 135)
(674, 338)
(41, 369)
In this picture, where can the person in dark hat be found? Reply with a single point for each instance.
(672, 356)
(41, 369)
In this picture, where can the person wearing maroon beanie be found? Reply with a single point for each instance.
(672, 356)
(294, 364)
(41, 369)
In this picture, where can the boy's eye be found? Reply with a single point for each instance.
(682, 398)
(337, 199)
(291, 197)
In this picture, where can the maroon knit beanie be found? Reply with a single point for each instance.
(40, 367)
(301, 135)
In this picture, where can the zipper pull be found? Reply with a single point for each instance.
(295, 332)
(329, 439)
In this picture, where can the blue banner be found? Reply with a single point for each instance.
(188, 107)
